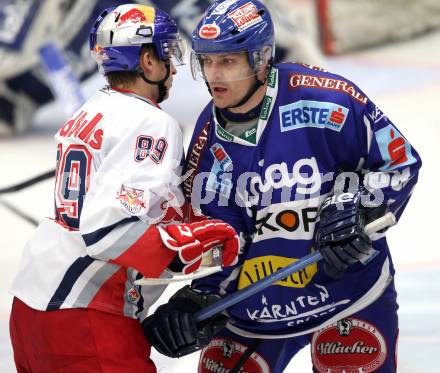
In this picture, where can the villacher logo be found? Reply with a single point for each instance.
(350, 345)
(221, 355)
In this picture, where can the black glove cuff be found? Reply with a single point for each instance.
(176, 265)
(200, 298)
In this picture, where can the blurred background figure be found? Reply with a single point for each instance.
(305, 31)
(25, 27)
(44, 51)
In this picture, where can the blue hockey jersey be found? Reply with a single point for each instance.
(315, 129)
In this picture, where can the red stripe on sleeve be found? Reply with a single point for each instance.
(148, 254)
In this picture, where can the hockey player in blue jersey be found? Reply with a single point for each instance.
(306, 159)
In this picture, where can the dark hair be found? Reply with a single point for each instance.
(116, 78)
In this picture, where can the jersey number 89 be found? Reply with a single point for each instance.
(147, 146)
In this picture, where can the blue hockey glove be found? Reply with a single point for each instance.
(340, 237)
(172, 329)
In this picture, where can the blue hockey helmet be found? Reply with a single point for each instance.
(118, 34)
(231, 26)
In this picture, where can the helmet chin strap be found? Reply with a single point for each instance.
(258, 83)
(160, 83)
(249, 94)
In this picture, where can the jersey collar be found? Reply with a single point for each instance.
(131, 93)
(266, 109)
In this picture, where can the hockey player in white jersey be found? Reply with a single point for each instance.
(117, 203)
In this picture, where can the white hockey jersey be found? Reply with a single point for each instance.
(118, 170)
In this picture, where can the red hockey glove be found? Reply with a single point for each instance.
(192, 240)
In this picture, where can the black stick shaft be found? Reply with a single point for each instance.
(25, 184)
(19, 212)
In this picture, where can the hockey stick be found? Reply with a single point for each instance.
(20, 186)
(25, 184)
(19, 213)
(385, 221)
(210, 265)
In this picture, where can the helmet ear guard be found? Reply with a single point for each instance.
(262, 57)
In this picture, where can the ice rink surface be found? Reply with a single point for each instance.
(403, 79)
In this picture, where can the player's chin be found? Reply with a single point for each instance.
(220, 103)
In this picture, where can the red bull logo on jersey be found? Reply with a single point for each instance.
(131, 199)
(349, 345)
(133, 295)
(313, 114)
(395, 150)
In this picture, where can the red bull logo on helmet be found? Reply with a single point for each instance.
(138, 14)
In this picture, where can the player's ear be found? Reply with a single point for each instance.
(147, 61)
(265, 59)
